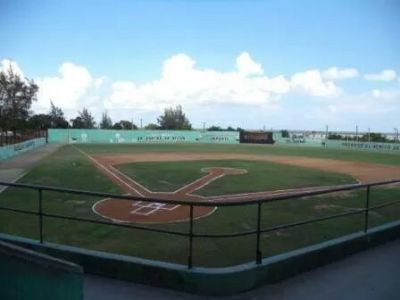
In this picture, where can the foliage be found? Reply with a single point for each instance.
(214, 128)
(54, 119)
(285, 133)
(375, 137)
(124, 124)
(83, 120)
(16, 97)
(57, 119)
(151, 126)
(371, 137)
(334, 136)
(174, 118)
(39, 121)
(106, 122)
(218, 128)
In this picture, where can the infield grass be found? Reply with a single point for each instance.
(260, 176)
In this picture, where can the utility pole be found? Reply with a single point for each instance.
(141, 123)
(357, 133)
(396, 131)
(369, 135)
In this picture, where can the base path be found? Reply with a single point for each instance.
(141, 211)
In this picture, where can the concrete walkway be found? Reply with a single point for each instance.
(16, 167)
(372, 274)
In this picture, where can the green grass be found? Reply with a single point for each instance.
(69, 168)
(349, 155)
(261, 176)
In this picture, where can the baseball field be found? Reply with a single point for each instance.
(199, 172)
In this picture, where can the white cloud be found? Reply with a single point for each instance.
(384, 75)
(183, 83)
(313, 83)
(337, 74)
(5, 65)
(69, 90)
(388, 95)
(247, 66)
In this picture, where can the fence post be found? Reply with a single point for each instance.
(190, 257)
(40, 216)
(258, 250)
(367, 209)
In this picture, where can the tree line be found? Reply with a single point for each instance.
(366, 137)
(18, 94)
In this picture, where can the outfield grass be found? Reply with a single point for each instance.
(69, 168)
(261, 176)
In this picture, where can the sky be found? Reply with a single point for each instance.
(251, 64)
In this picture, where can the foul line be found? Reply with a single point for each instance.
(108, 171)
(128, 178)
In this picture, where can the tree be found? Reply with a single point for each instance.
(124, 124)
(83, 120)
(151, 126)
(285, 133)
(40, 121)
(214, 128)
(106, 122)
(174, 118)
(57, 119)
(16, 97)
(375, 137)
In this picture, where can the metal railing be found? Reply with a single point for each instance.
(15, 137)
(190, 234)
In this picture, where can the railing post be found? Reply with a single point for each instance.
(190, 257)
(367, 209)
(258, 250)
(40, 216)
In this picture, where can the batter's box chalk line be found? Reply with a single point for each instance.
(147, 208)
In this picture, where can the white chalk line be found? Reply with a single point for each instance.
(15, 180)
(108, 171)
(129, 179)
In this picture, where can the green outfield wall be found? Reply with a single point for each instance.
(366, 146)
(12, 150)
(141, 136)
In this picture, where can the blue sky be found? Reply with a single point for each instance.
(229, 62)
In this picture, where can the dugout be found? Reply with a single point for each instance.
(256, 137)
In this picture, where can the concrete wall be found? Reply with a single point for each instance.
(12, 150)
(215, 281)
(25, 274)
